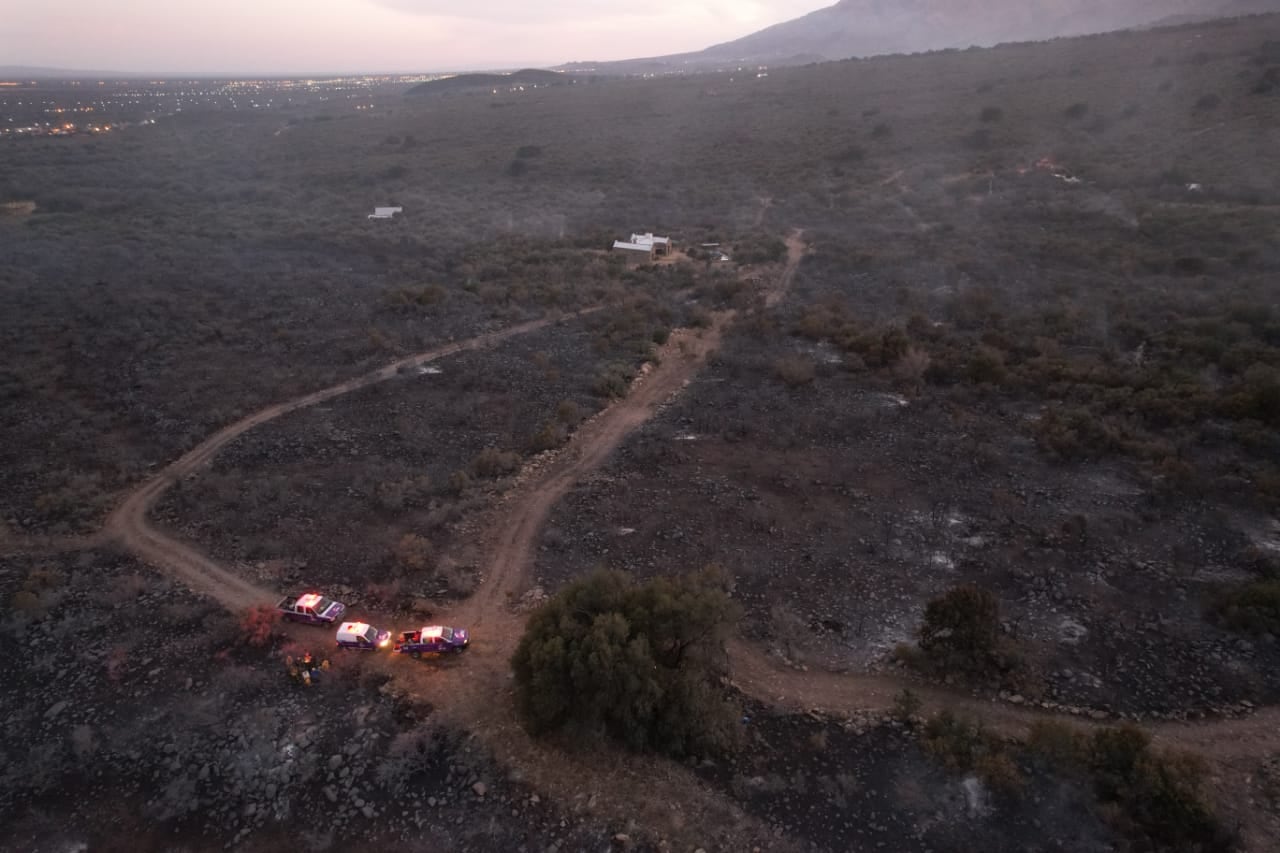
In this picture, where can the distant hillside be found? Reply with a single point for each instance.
(528, 77)
(855, 28)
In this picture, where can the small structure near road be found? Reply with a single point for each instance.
(385, 212)
(643, 248)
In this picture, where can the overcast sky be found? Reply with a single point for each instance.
(366, 35)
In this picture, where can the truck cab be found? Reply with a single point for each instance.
(311, 608)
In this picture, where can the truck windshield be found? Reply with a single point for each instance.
(322, 605)
(446, 633)
(371, 634)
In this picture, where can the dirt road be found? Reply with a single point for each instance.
(129, 523)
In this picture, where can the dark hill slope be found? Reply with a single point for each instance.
(855, 28)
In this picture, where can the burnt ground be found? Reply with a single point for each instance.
(842, 507)
(326, 495)
(135, 716)
(868, 785)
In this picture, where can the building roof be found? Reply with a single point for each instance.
(649, 240)
(633, 247)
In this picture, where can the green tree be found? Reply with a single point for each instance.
(637, 662)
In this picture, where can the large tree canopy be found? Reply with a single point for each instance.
(639, 662)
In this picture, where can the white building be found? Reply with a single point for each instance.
(643, 248)
(659, 245)
(385, 212)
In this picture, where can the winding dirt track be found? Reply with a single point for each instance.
(511, 530)
(130, 526)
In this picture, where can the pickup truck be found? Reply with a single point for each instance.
(311, 608)
(432, 640)
(361, 635)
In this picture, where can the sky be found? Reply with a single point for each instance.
(264, 36)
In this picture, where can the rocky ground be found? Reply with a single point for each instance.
(135, 715)
(865, 784)
(842, 506)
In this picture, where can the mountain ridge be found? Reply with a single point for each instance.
(858, 28)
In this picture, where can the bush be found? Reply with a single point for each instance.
(459, 482)
(637, 662)
(1153, 799)
(906, 705)
(1057, 743)
(613, 381)
(258, 625)
(26, 602)
(795, 370)
(568, 413)
(990, 114)
(1250, 609)
(551, 436)
(986, 365)
(414, 552)
(965, 746)
(961, 629)
(492, 462)
(1158, 795)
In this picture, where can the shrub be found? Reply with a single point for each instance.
(568, 413)
(881, 131)
(551, 436)
(613, 381)
(1250, 609)
(990, 114)
(459, 482)
(1158, 794)
(414, 552)
(961, 628)
(1076, 111)
(27, 602)
(1058, 744)
(906, 705)
(986, 365)
(258, 625)
(962, 745)
(795, 370)
(492, 462)
(637, 662)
